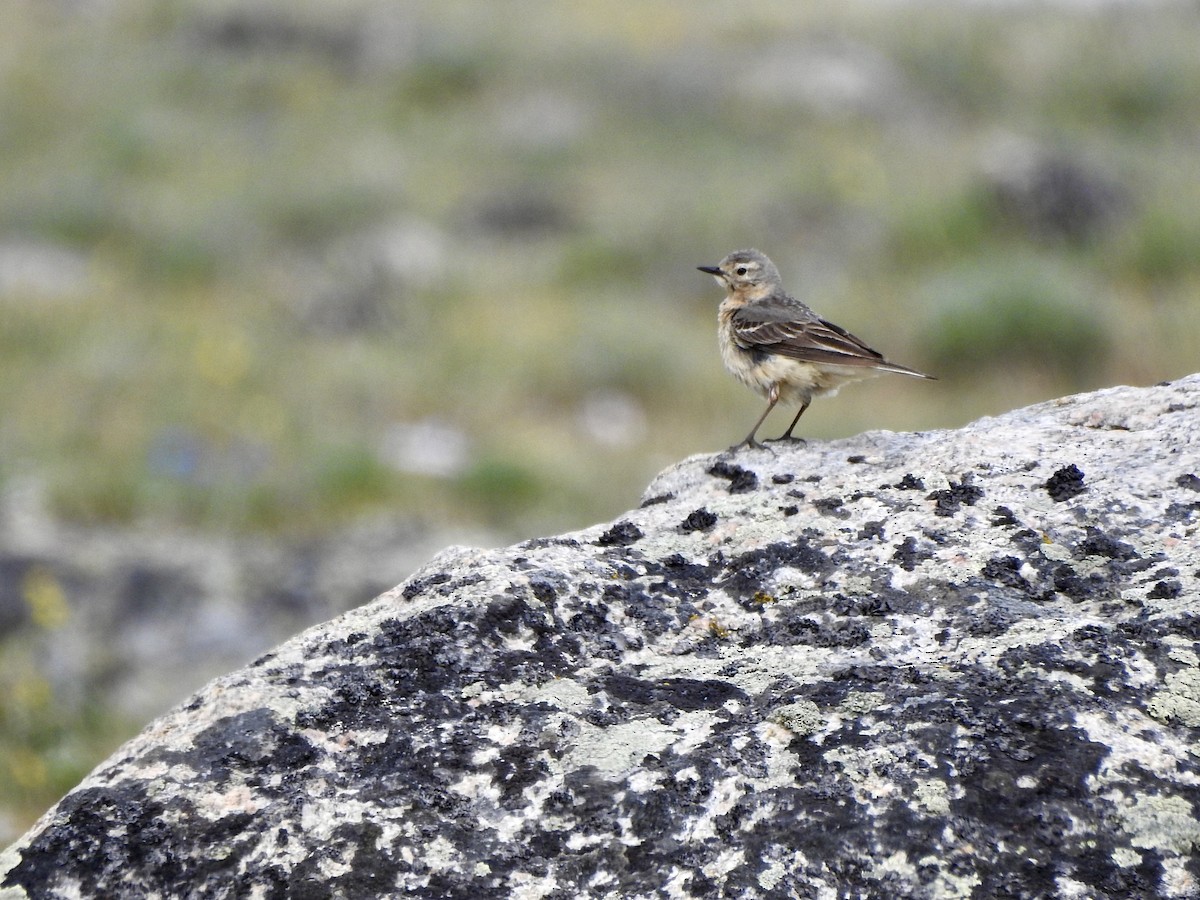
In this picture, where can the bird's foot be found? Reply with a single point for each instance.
(786, 438)
(752, 444)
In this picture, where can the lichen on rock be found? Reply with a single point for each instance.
(949, 664)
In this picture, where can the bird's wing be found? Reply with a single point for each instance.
(784, 326)
(797, 332)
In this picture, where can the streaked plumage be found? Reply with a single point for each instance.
(776, 345)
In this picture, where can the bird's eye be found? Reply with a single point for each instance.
(741, 270)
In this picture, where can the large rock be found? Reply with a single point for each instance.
(958, 663)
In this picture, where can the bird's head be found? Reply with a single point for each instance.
(745, 270)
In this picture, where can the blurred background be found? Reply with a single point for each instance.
(293, 294)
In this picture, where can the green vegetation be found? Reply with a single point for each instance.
(285, 230)
(47, 742)
(1018, 314)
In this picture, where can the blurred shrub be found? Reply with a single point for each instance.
(350, 477)
(75, 208)
(501, 489)
(588, 262)
(318, 211)
(1027, 316)
(435, 82)
(180, 257)
(47, 741)
(1164, 246)
(111, 496)
(946, 226)
(1131, 91)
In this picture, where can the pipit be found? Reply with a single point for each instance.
(774, 344)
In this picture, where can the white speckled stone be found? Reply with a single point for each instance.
(953, 664)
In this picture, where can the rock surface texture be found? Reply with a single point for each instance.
(952, 664)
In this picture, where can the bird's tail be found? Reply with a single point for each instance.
(903, 370)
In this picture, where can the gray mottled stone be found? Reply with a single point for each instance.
(954, 664)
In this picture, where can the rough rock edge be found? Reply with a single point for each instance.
(918, 665)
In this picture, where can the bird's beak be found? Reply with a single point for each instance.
(711, 270)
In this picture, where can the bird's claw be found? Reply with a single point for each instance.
(752, 445)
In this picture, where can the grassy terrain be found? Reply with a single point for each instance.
(288, 232)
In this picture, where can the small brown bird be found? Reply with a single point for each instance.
(775, 344)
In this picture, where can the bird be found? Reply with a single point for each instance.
(777, 346)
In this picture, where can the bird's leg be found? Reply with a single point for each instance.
(772, 399)
(787, 435)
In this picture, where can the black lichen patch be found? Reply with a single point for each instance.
(1097, 543)
(909, 482)
(90, 820)
(1095, 653)
(909, 556)
(101, 835)
(1040, 577)
(741, 481)
(545, 590)
(1186, 625)
(1003, 517)
(748, 573)
(1006, 570)
(1027, 540)
(992, 620)
(951, 499)
(1181, 512)
(371, 872)
(1065, 483)
(793, 627)
(831, 506)
(657, 499)
(655, 611)
(1165, 590)
(783, 478)
(418, 586)
(604, 636)
(648, 820)
(1026, 777)
(871, 531)
(698, 520)
(541, 543)
(516, 767)
(427, 660)
(1093, 587)
(622, 534)
(251, 741)
(1189, 481)
(871, 605)
(682, 579)
(683, 694)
